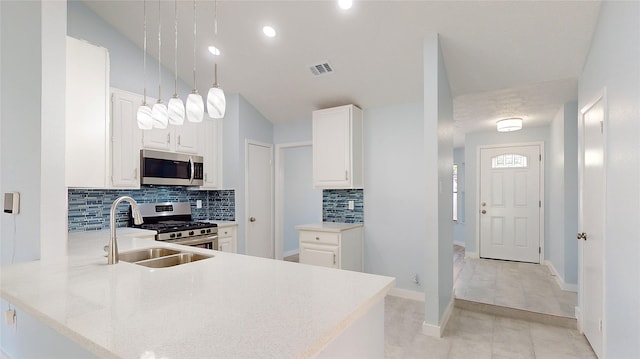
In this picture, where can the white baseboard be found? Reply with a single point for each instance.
(290, 253)
(407, 294)
(473, 255)
(437, 330)
(563, 285)
(579, 318)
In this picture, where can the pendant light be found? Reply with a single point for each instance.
(216, 102)
(176, 106)
(144, 118)
(195, 105)
(159, 111)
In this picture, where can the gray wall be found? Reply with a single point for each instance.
(472, 141)
(126, 58)
(613, 62)
(562, 247)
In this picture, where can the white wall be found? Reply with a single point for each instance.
(561, 244)
(472, 141)
(302, 203)
(438, 150)
(614, 62)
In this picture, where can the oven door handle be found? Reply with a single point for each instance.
(191, 242)
(192, 166)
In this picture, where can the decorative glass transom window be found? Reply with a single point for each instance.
(510, 160)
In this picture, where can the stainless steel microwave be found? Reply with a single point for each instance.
(170, 169)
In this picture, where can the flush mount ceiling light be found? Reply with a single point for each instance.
(159, 111)
(144, 116)
(269, 31)
(345, 4)
(195, 105)
(509, 124)
(176, 106)
(216, 102)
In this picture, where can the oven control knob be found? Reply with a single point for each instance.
(172, 235)
(208, 230)
(179, 235)
(202, 231)
(191, 233)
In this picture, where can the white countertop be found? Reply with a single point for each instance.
(328, 226)
(223, 223)
(106, 233)
(229, 306)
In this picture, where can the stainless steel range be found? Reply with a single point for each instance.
(174, 224)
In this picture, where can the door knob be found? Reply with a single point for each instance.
(252, 219)
(484, 211)
(582, 236)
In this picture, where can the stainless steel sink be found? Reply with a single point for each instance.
(161, 257)
(148, 253)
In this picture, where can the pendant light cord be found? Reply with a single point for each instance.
(195, 86)
(215, 38)
(144, 55)
(175, 59)
(159, 54)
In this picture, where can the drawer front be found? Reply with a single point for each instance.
(320, 237)
(226, 231)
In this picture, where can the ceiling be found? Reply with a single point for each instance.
(503, 58)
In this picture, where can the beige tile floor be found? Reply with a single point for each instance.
(476, 335)
(515, 285)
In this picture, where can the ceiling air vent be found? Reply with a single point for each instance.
(323, 68)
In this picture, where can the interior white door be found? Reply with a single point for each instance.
(592, 223)
(259, 238)
(510, 204)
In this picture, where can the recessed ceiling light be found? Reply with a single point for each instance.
(214, 50)
(345, 4)
(269, 31)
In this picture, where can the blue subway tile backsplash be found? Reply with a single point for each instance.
(89, 208)
(335, 205)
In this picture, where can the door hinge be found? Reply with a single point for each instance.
(539, 250)
(539, 204)
(540, 157)
(600, 324)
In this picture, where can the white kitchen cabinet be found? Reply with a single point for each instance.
(333, 245)
(125, 139)
(87, 115)
(337, 147)
(211, 144)
(227, 238)
(183, 138)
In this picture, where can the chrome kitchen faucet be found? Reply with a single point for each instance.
(112, 247)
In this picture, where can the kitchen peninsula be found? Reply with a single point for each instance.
(228, 306)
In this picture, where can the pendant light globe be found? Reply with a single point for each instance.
(195, 107)
(176, 111)
(216, 103)
(144, 117)
(160, 115)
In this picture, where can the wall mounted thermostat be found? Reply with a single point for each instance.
(12, 202)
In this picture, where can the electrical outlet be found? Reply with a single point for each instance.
(199, 203)
(351, 205)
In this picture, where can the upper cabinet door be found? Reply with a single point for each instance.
(211, 145)
(87, 115)
(158, 139)
(126, 139)
(186, 136)
(337, 147)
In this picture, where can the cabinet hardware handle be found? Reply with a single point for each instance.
(334, 258)
(346, 175)
(317, 238)
(205, 177)
(179, 140)
(135, 173)
(168, 138)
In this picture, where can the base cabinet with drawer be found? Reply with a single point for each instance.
(333, 245)
(227, 238)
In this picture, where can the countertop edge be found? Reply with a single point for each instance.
(333, 227)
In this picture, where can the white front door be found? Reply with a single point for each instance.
(259, 238)
(510, 204)
(591, 222)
